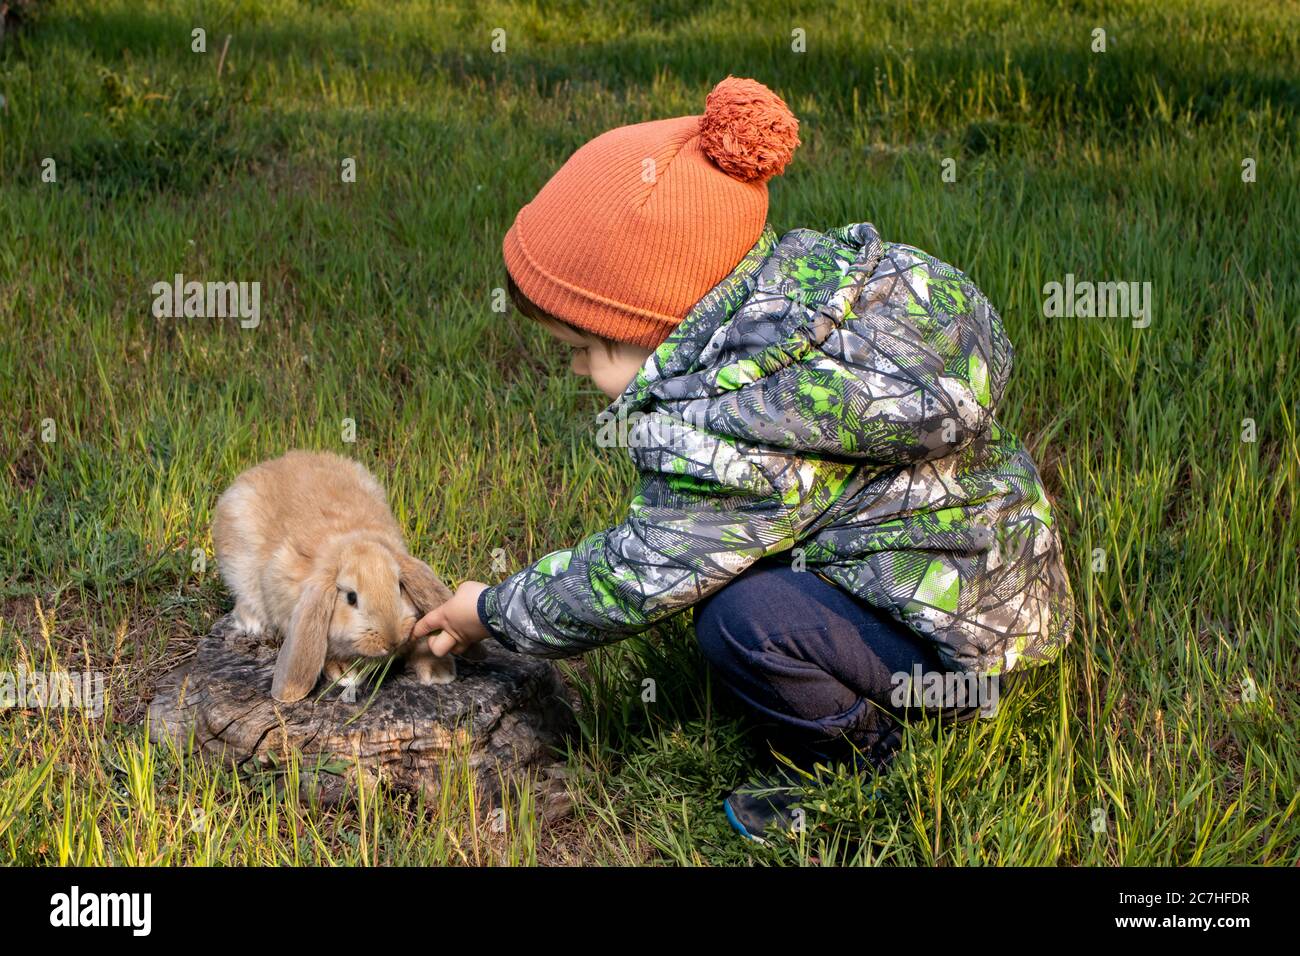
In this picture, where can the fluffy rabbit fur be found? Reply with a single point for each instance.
(308, 546)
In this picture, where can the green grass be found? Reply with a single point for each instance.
(1172, 717)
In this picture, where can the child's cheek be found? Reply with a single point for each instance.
(580, 365)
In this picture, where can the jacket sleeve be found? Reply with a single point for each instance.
(685, 536)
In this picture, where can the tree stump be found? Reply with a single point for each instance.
(504, 713)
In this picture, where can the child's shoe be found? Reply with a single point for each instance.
(770, 804)
(763, 806)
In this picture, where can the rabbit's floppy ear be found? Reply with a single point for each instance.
(425, 589)
(302, 655)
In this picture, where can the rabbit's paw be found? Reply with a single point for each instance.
(433, 670)
(248, 621)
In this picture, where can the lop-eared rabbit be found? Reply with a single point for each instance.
(308, 545)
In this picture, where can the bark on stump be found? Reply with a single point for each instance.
(505, 713)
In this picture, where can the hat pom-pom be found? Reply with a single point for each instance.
(747, 130)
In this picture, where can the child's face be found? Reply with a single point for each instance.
(610, 365)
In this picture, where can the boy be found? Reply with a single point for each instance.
(821, 476)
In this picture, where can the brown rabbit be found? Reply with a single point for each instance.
(308, 546)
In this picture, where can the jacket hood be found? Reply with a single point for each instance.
(811, 330)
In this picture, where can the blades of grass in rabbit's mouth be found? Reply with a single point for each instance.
(372, 667)
(363, 670)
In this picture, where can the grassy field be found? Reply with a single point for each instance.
(1166, 736)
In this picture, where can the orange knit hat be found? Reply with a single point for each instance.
(645, 219)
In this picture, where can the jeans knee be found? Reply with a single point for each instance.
(726, 630)
(710, 628)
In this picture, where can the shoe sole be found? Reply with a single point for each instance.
(738, 826)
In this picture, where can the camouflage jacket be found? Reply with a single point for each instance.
(832, 397)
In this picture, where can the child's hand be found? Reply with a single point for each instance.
(458, 621)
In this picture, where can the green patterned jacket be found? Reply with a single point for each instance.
(832, 397)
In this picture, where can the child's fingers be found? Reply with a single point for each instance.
(433, 621)
(443, 644)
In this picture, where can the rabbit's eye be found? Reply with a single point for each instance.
(352, 598)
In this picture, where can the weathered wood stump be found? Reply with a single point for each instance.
(504, 713)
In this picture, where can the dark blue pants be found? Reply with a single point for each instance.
(814, 666)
